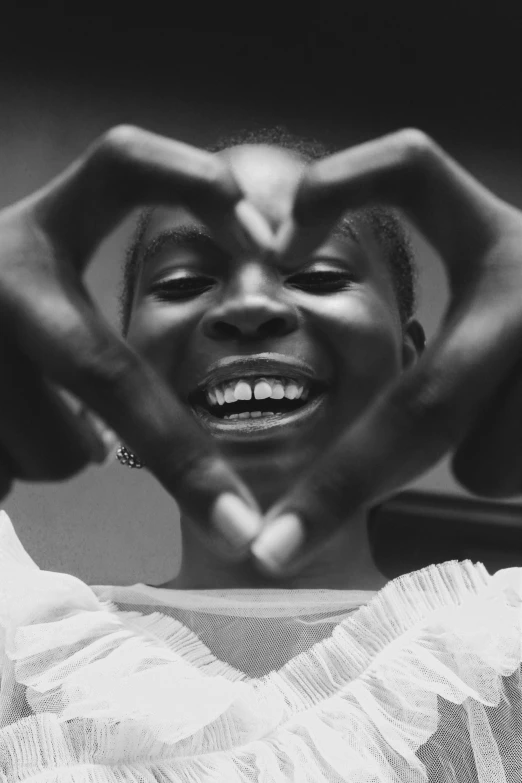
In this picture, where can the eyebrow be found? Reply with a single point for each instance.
(199, 239)
(179, 237)
(346, 228)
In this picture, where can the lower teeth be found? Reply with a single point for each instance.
(249, 415)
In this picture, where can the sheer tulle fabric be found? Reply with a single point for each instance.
(418, 682)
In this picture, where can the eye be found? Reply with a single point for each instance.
(181, 287)
(321, 282)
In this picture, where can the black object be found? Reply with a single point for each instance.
(415, 529)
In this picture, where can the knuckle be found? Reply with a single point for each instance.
(117, 148)
(415, 147)
(410, 154)
(121, 141)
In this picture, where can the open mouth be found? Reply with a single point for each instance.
(256, 400)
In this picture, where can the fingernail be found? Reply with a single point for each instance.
(234, 520)
(256, 228)
(279, 542)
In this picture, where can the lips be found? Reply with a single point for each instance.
(269, 365)
(262, 428)
(236, 367)
(247, 373)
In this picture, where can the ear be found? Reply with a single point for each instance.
(413, 344)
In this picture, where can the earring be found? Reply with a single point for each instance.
(126, 457)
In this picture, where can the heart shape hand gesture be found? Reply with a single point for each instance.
(462, 396)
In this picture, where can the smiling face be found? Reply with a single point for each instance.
(273, 361)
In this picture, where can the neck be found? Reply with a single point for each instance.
(346, 563)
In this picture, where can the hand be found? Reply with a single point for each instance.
(465, 392)
(52, 337)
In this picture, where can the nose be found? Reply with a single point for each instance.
(252, 310)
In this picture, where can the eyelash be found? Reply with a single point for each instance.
(186, 287)
(335, 281)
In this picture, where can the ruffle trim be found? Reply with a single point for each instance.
(137, 698)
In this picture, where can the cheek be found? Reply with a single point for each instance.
(160, 337)
(365, 344)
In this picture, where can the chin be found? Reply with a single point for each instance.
(269, 477)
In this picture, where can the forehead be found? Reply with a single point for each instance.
(267, 175)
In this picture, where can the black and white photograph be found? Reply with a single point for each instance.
(261, 393)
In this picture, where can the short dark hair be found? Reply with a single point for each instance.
(384, 221)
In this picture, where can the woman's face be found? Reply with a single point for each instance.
(327, 329)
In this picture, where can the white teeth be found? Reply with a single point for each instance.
(262, 390)
(249, 415)
(229, 394)
(278, 391)
(243, 391)
(291, 391)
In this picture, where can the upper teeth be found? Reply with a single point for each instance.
(259, 388)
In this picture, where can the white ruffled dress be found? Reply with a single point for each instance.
(420, 681)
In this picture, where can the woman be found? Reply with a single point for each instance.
(220, 676)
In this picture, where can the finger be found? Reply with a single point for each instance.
(129, 167)
(84, 355)
(407, 430)
(407, 170)
(489, 460)
(42, 436)
(102, 442)
(427, 412)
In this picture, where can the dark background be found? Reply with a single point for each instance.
(454, 68)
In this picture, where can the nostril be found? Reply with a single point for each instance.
(272, 328)
(249, 326)
(224, 330)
